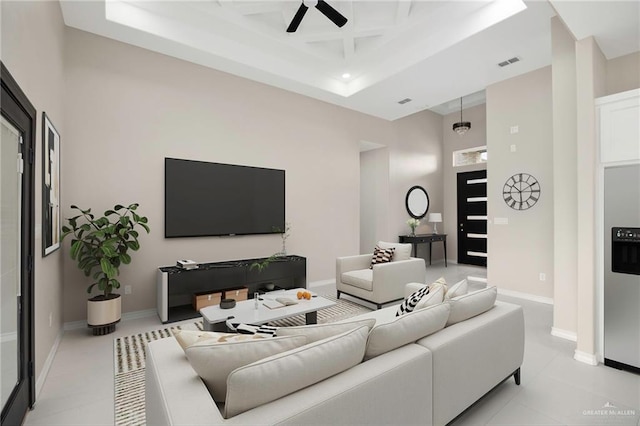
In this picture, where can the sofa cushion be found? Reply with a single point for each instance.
(214, 361)
(381, 255)
(409, 288)
(361, 278)
(458, 289)
(316, 332)
(409, 304)
(440, 281)
(188, 338)
(401, 252)
(434, 297)
(291, 371)
(406, 329)
(471, 304)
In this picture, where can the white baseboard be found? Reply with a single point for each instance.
(585, 357)
(47, 364)
(321, 283)
(564, 334)
(74, 325)
(139, 314)
(476, 279)
(526, 296)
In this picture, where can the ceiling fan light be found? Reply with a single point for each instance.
(461, 127)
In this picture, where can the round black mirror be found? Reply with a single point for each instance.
(417, 202)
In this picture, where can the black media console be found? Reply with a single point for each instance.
(176, 286)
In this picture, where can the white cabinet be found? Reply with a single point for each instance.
(618, 126)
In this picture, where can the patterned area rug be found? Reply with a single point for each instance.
(130, 352)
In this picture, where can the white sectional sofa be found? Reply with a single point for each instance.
(429, 381)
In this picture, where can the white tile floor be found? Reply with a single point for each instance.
(555, 389)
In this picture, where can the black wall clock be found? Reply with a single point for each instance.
(521, 191)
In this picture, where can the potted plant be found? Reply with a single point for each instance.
(261, 265)
(284, 234)
(413, 224)
(100, 245)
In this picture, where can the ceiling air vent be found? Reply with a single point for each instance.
(404, 101)
(509, 61)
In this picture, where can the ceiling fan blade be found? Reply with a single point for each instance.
(295, 22)
(328, 11)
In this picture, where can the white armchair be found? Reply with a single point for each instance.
(385, 282)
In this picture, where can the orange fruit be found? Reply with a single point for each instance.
(307, 295)
(300, 295)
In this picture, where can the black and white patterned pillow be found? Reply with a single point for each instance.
(410, 302)
(241, 328)
(381, 256)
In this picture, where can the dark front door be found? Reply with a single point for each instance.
(17, 132)
(472, 218)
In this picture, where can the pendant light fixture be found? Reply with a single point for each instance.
(461, 127)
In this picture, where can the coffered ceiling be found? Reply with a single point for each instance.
(430, 52)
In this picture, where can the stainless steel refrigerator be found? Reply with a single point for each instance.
(622, 267)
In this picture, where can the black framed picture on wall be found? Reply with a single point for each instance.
(50, 187)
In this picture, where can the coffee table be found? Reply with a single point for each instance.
(214, 318)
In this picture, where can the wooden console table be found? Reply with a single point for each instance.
(176, 286)
(424, 239)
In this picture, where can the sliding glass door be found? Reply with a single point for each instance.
(17, 124)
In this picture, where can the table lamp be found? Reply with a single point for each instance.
(435, 218)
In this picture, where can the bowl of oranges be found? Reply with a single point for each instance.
(303, 295)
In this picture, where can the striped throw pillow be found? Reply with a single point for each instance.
(381, 256)
(410, 302)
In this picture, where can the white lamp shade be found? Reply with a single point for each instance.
(435, 217)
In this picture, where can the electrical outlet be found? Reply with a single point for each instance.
(513, 148)
(514, 130)
(127, 289)
(543, 276)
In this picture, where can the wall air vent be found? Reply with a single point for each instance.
(509, 61)
(404, 101)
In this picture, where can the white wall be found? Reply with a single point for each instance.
(476, 136)
(521, 250)
(32, 51)
(590, 83)
(374, 197)
(623, 73)
(128, 108)
(417, 160)
(565, 180)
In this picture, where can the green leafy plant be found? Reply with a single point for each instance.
(261, 265)
(101, 245)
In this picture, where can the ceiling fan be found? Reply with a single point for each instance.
(324, 7)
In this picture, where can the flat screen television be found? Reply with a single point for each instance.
(213, 199)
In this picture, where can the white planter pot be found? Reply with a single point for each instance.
(102, 313)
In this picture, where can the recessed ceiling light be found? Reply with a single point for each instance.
(346, 75)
